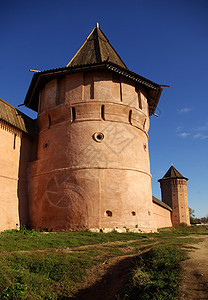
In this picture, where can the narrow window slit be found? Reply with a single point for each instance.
(121, 91)
(73, 111)
(139, 100)
(103, 112)
(14, 143)
(144, 124)
(130, 117)
(92, 90)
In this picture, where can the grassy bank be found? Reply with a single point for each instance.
(37, 265)
(156, 275)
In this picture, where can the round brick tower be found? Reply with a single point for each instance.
(92, 168)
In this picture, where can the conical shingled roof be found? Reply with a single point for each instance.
(96, 49)
(172, 173)
(95, 54)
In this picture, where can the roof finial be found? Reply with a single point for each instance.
(171, 164)
(97, 25)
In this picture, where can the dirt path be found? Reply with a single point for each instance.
(106, 279)
(195, 278)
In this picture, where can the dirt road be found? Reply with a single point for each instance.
(194, 284)
(105, 280)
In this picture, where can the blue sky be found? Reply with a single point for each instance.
(165, 41)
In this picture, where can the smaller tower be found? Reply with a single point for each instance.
(174, 193)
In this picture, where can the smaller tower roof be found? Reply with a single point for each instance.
(96, 49)
(172, 173)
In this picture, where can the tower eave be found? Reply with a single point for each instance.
(166, 179)
(39, 79)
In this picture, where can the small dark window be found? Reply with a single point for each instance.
(46, 144)
(130, 116)
(103, 112)
(49, 121)
(14, 143)
(133, 213)
(144, 124)
(149, 213)
(121, 96)
(92, 90)
(98, 136)
(109, 213)
(73, 118)
(139, 100)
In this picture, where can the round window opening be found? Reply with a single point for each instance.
(133, 213)
(98, 136)
(109, 213)
(46, 144)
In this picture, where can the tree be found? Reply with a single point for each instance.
(193, 219)
(204, 220)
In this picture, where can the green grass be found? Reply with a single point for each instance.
(42, 276)
(24, 239)
(15, 240)
(57, 271)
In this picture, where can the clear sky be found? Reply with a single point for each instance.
(165, 41)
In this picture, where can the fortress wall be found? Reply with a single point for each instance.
(162, 216)
(13, 177)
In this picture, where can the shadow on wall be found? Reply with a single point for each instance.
(28, 153)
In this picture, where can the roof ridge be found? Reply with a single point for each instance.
(125, 67)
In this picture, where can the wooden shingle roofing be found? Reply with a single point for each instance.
(16, 118)
(96, 49)
(161, 203)
(95, 54)
(172, 173)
